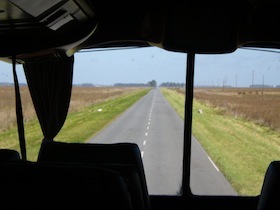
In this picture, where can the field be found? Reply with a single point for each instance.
(239, 130)
(258, 105)
(81, 97)
(82, 122)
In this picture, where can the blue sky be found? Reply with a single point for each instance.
(241, 68)
(140, 65)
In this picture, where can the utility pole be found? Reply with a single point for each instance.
(253, 78)
(224, 83)
(263, 85)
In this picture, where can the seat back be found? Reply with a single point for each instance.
(52, 186)
(98, 154)
(8, 155)
(270, 193)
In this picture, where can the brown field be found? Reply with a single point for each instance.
(261, 106)
(81, 97)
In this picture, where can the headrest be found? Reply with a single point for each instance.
(269, 198)
(8, 154)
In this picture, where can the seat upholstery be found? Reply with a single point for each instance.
(36, 185)
(8, 155)
(270, 193)
(98, 154)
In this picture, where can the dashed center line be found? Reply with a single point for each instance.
(148, 127)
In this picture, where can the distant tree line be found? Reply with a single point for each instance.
(172, 84)
(4, 84)
(152, 83)
(261, 86)
(130, 85)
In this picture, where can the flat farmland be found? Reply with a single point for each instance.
(239, 130)
(260, 106)
(81, 97)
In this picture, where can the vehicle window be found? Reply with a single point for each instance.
(235, 121)
(8, 122)
(123, 96)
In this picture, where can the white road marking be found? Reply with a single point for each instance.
(213, 164)
(153, 101)
(208, 156)
(150, 115)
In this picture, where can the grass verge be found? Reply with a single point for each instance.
(242, 150)
(176, 100)
(79, 126)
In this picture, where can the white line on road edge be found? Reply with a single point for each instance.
(142, 154)
(206, 155)
(213, 164)
(144, 143)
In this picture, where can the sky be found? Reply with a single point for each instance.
(140, 65)
(241, 68)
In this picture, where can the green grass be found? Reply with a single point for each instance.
(242, 150)
(176, 100)
(78, 127)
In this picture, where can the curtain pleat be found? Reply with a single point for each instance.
(50, 84)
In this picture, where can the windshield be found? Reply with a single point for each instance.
(138, 95)
(122, 96)
(235, 121)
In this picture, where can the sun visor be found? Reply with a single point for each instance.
(199, 29)
(30, 26)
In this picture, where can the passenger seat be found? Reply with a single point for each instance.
(105, 155)
(8, 155)
(33, 185)
(269, 198)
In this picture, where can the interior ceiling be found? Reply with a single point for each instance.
(31, 28)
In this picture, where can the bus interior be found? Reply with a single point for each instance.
(191, 161)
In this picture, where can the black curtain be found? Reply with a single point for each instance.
(50, 83)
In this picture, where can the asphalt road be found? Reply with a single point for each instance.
(158, 130)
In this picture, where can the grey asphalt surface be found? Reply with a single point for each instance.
(158, 130)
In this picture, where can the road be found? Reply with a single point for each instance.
(158, 130)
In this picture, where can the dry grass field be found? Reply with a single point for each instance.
(81, 97)
(261, 106)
